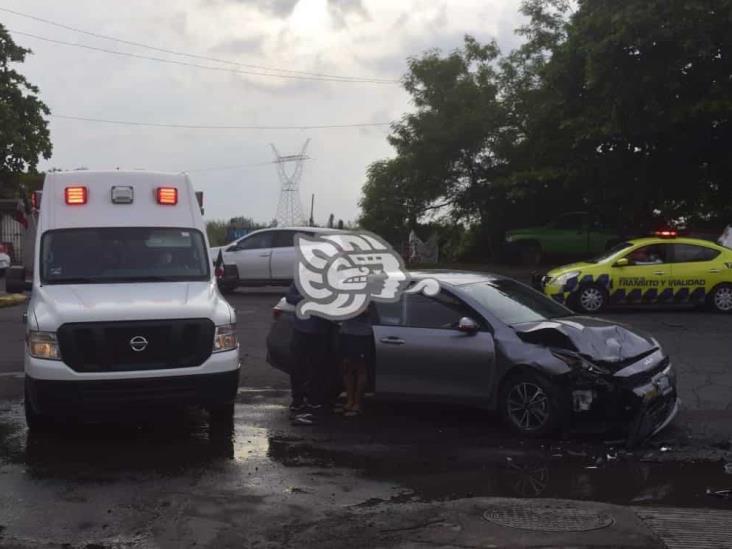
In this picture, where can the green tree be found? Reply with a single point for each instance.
(24, 132)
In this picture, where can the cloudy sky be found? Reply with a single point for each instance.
(366, 39)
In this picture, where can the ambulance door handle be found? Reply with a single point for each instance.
(715, 270)
(391, 340)
(660, 273)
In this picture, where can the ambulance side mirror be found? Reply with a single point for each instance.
(622, 262)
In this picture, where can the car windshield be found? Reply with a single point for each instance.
(514, 303)
(611, 252)
(123, 254)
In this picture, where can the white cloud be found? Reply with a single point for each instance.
(370, 38)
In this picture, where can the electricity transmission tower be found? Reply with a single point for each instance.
(289, 207)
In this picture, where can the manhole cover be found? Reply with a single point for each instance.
(548, 517)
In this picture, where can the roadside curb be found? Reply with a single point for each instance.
(10, 300)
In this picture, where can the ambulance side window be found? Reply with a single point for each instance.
(689, 253)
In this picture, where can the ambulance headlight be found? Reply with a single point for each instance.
(43, 345)
(562, 279)
(225, 338)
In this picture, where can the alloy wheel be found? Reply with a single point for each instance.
(591, 299)
(528, 406)
(723, 299)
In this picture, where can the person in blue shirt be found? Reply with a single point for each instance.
(310, 375)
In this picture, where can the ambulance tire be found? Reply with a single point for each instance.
(590, 299)
(720, 299)
(37, 423)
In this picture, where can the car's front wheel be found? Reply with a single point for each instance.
(590, 299)
(720, 299)
(529, 405)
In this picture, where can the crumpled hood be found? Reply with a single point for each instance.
(598, 340)
(53, 305)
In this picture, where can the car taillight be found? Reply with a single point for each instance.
(167, 196)
(276, 313)
(75, 196)
(219, 272)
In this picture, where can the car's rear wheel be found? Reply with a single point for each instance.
(529, 405)
(720, 299)
(591, 299)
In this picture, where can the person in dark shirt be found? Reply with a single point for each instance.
(309, 379)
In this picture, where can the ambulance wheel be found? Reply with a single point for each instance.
(720, 299)
(590, 299)
(221, 414)
(36, 422)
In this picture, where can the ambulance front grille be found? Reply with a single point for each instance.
(136, 345)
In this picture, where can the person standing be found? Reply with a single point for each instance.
(355, 344)
(309, 381)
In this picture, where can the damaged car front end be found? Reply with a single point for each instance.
(616, 379)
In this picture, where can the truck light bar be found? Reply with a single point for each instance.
(76, 196)
(167, 196)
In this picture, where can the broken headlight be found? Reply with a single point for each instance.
(576, 361)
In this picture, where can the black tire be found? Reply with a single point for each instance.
(37, 423)
(590, 299)
(227, 288)
(530, 254)
(221, 414)
(530, 405)
(720, 299)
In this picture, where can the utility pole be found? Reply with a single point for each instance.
(312, 207)
(289, 207)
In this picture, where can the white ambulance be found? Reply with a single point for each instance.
(125, 313)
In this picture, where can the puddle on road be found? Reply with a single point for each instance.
(450, 465)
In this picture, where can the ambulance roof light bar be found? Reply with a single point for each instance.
(667, 233)
(167, 196)
(76, 196)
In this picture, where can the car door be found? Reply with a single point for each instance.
(566, 235)
(282, 262)
(645, 279)
(251, 255)
(695, 271)
(419, 351)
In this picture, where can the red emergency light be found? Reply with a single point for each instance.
(76, 196)
(666, 233)
(167, 196)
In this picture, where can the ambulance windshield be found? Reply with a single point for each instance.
(123, 254)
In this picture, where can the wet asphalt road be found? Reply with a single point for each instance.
(172, 481)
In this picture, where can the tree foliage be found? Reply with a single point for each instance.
(623, 108)
(24, 135)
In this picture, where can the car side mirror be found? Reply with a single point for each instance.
(467, 325)
(623, 262)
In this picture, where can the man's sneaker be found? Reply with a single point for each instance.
(303, 419)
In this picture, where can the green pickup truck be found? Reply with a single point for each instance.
(574, 234)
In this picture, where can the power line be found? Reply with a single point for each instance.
(210, 127)
(197, 56)
(195, 65)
